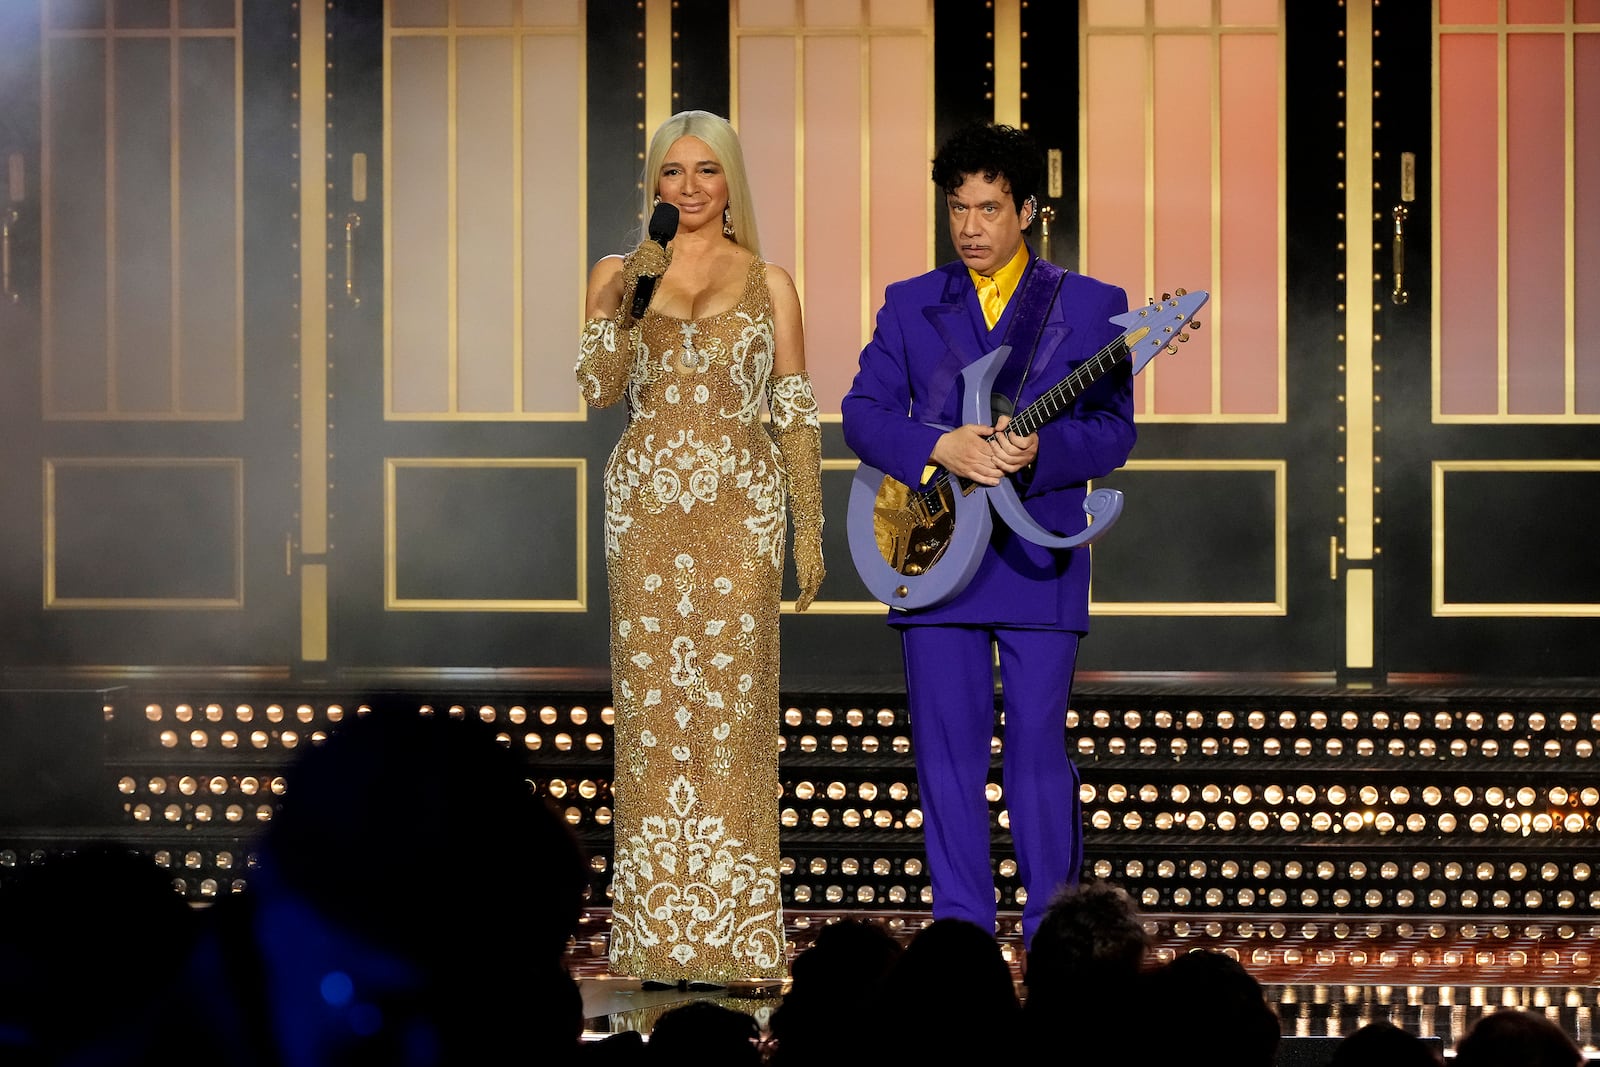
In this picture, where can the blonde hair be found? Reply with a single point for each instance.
(719, 134)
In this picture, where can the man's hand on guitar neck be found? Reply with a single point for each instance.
(984, 454)
(1016, 450)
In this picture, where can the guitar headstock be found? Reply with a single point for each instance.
(1160, 324)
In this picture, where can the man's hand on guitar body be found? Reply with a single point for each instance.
(966, 452)
(984, 454)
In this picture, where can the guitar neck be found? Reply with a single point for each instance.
(1061, 396)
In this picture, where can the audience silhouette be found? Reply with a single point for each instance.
(89, 941)
(412, 902)
(1083, 969)
(703, 1033)
(948, 998)
(1383, 1044)
(831, 1009)
(1513, 1038)
(1217, 1009)
(411, 907)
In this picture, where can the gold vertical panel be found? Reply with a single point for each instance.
(313, 285)
(314, 612)
(483, 135)
(1359, 639)
(143, 221)
(1358, 300)
(658, 102)
(1007, 37)
(873, 136)
(1164, 92)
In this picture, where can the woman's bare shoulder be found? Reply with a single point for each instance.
(605, 268)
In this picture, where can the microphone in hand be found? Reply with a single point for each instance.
(663, 225)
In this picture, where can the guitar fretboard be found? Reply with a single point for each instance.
(1069, 388)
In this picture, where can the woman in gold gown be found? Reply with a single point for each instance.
(696, 493)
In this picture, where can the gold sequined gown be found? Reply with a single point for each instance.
(694, 541)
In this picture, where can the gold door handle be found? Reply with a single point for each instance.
(10, 291)
(16, 192)
(352, 223)
(1399, 295)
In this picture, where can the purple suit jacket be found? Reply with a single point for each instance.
(908, 386)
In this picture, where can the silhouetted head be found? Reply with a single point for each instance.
(703, 1033)
(1512, 1038)
(1383, 1044)
(1090, 934)
(423, 834)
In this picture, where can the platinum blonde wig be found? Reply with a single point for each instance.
(719, 134)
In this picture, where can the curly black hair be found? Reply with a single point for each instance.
(991, 150)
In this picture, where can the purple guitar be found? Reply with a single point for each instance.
(917, 548)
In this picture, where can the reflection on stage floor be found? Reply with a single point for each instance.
(1316, 1005)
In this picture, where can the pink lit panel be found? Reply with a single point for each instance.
(1586, 223)
(767, 14)
(1182, 14)
(1251, 241)
(1181, 209)
(1536, 11)
(766, 114)
(1468, 234)
(1536, 225)
(898, 186)
(833, 223)
(1469, 12)
(833, 14)
(551, 291)
(1250, 13)
(897, 12)
(1113, 167)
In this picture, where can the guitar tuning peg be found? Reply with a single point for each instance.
(1165, 297)
(1183, 337)
(1172, 348)
(1180, 292)
(1194, 324)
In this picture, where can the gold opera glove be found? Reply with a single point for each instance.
(606, 346)
(605, 355)
(799, 436)
(649, 259)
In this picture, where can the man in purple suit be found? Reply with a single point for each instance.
(1024, 602)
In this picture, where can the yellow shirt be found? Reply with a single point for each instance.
(995, 292)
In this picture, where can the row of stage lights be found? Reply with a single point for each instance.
(578, 714)
(587, 802)
(1160, 734)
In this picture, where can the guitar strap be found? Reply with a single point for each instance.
(1033, 299)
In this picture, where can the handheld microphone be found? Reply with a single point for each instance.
(663, 224)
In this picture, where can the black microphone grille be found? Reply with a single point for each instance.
(663, 222)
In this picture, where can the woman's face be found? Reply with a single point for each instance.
(692, 180)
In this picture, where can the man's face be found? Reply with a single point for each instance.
(985, 225)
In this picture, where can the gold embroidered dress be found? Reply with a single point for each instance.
(695, 496)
